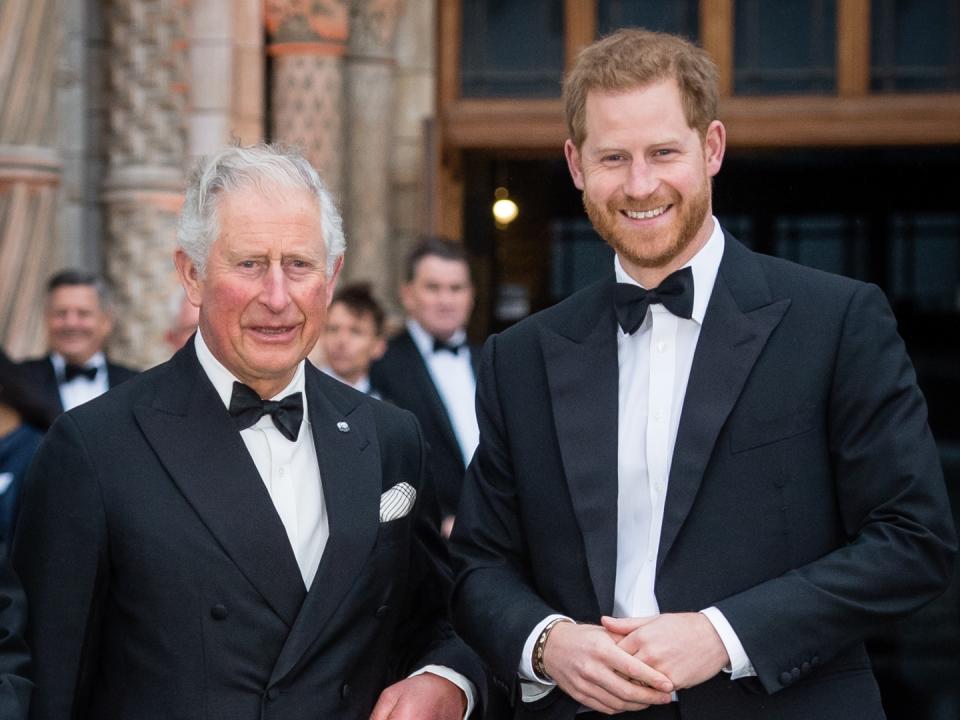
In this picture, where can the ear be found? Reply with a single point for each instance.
(332, 282)
(379, 348)
(714, 146)
(189, 276)
(574, 165)
(406, 296)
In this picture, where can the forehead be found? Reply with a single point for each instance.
(638, 112)
(252, 218)
(341, 313)
(77, 296)
(433, 268)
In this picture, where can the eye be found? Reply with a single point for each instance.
(664, 152)
(613, 157)
(247, 264)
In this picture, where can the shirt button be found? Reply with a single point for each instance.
(651, 556)
(658, 486)
(657, 414)
(661, 346)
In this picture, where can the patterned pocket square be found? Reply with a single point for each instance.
(397, 501)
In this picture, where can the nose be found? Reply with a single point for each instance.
(640, 181)
(275, 295)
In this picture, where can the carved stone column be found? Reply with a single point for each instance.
(29, 167)
(147, 151)
(307, 40)
(370, 121)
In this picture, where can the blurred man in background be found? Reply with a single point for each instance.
(353, 337)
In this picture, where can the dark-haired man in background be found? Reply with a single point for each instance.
(430, 369)
(353, 337)
(79, 319)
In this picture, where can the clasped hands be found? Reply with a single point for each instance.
(628, 664)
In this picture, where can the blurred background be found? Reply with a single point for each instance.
(843, 121)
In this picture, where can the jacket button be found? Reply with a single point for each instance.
(795, 673)
(219, 612)
(786, 678)
(345, 691)
(382, 611)
(805, 668)
(273, 693)
(815, 660)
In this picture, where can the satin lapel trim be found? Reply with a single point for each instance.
(583, 376)
(730, 342)
(351, 476)
(418, 366)
(202, 451)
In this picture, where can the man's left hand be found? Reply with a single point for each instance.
(421, 697)
(683, 646)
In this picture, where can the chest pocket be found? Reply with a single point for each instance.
(756, 431)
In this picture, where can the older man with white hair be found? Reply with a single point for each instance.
(233, 534)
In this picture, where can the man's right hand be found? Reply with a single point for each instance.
(586, 663)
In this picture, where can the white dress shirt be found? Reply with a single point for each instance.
(80, 389)
(361, 385)
(654, 367)
(290, 472)
(452, 375)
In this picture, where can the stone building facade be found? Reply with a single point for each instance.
(105, 105)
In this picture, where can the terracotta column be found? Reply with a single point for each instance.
(307, 40)
(29, 167)
(147, 152)
(371, 116)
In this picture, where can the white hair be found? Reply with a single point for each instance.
(262, 167)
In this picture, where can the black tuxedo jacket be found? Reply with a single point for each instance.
(805, 498)
(402, 377)
(42, 379)
(14, 657)
(162, 584)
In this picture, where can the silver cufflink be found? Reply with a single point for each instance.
(343, 427)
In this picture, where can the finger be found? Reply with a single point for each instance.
(384, 707)
(624, 626)
(637, 670)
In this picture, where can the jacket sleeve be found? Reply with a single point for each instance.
(15, 687)
(891, 504)
(60, 553)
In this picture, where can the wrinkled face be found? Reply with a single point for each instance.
(645, 176)
(351, 342)
(264, 295)
(77, 325)
(440, 296)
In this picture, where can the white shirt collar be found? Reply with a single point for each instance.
(223, 379)
(363, 384)
(705, 266)
(424, 340)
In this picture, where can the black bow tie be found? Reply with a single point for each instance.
(71, 371)
(675, 293)
(247, 408)
(441, 346)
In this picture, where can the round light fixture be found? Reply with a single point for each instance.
(505, 210)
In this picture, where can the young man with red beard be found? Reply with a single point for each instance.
(704, 480)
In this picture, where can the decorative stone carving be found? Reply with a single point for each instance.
(147, 151)
(30, 168)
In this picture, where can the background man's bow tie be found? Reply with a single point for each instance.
(71, 371)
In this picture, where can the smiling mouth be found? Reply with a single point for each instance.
(646, 214)
(273, 330)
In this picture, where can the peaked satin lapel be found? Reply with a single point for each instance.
(739, 319)
(418, 369)
(580, 353)
(351, 477)
(197, 442)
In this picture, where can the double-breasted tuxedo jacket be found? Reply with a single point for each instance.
(805, 497)
(402, 377)
(161, 581)
(42, 379)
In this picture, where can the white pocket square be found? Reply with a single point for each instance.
(397, 501)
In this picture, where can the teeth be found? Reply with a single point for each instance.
(645, 214)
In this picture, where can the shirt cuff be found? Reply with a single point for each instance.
(531, 687)
(740, 665)
(457, 679)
